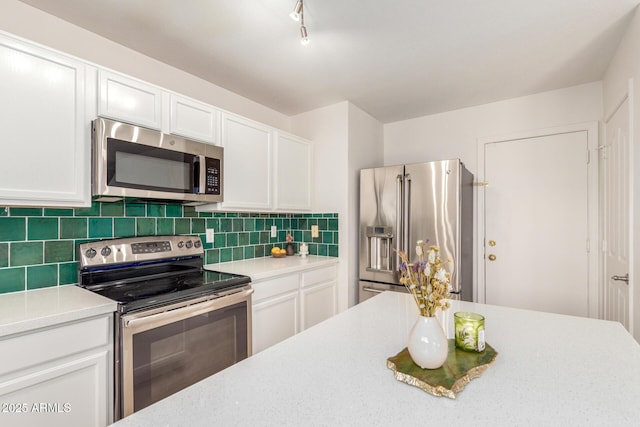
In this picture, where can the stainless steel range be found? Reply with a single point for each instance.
(176, 323)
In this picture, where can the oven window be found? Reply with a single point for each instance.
(171, 357)
(133, 165)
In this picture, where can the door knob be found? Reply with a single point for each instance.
(492, 257)
(624, 278)
(492, 242)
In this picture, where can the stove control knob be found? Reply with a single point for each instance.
(180, 244)
(90, 253)
(106, 251)
(189, 244)
(197, 243)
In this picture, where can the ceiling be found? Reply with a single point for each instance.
(395, 59)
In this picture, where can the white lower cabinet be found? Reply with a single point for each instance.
(288, 304)
(59, 376)
(275, 315)
(318, 295)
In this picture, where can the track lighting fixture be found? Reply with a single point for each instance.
(295, 15)
(303, 34)
(298, 15)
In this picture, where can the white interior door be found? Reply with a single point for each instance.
(616, 181)
(536, 223)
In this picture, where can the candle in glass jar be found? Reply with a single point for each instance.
(469, 331)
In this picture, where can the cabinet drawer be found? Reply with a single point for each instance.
(50, 344)
(273, 287)
(320, 275)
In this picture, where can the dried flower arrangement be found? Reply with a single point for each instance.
(426, 279)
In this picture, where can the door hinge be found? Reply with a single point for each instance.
(588, 245)
(603, 152)
(588, 156)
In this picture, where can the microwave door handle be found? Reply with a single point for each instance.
(200, 173)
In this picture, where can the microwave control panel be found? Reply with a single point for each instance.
(212, 176)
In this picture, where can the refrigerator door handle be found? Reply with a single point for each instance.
(406, 215)
(399, 243)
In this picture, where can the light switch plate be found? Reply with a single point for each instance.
(209, 235)
(314, 231)
(274, 231)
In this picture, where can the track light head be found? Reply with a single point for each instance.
(304, 37)
(295, 15)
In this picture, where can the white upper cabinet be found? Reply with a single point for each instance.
(129, 100)
(293, 172)
(45, 133)
(48, 101)
(133, 101)
(247, 163)
(265, 170)
(194, 120)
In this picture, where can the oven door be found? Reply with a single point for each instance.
(165, 350)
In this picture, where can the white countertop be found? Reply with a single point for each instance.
(40, 308)
(267, 267)
(551, 370)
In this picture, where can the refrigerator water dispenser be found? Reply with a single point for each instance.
(380, 248)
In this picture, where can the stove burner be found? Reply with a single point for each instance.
(148, 291)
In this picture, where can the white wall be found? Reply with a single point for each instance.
(32, 24)
(366, 147)
(454, 134)
(626, 65)
(346, 139)
(328, 129)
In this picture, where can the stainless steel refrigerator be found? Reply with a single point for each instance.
(400, 205)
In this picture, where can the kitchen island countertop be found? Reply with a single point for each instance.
(551, 370)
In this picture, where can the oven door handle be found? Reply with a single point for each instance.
(180, 313)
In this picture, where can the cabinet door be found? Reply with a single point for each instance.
(275, 305)
(194, 120)
(45, 134)
(129, 100)
(73, 392)
(274, 319)
(319, 296)
(247, 163)
(71, 377)
(293, 172)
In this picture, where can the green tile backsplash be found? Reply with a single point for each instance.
(38, 245)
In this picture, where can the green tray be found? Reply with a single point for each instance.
(459, 369)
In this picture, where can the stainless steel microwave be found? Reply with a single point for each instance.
(132, 161)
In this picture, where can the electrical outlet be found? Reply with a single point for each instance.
(209, 235)
(274, 231)
(314, 231)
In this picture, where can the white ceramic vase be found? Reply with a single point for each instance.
(428, 345)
